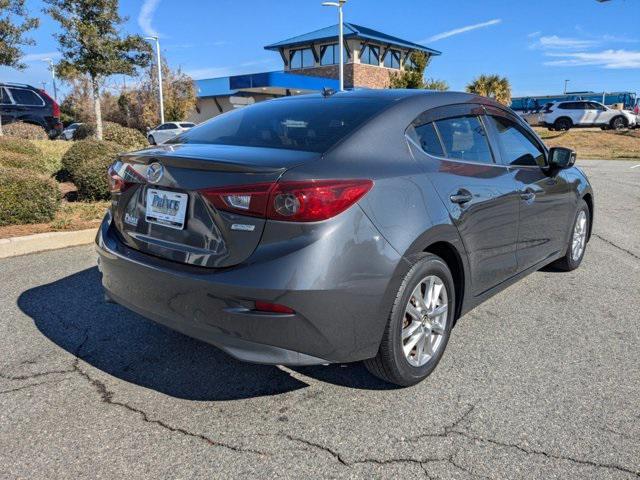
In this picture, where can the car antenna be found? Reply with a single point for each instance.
(327, 92)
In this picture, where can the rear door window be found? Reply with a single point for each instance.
(515, 145)
(464, 138)
(22, 96)
(427, 137)
(4, 97)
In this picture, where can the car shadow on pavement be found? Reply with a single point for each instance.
(72, 313)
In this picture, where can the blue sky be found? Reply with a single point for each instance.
(536, 44)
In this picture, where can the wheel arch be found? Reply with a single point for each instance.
(452, 257)
(563, 117)
(588, 198)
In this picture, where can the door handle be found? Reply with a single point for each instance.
(461, 196)
(527, 195)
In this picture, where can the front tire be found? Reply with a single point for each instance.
(578, 241)
(563, 124)
(419, 325)
(619, 123)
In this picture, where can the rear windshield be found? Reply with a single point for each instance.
(311, 124)
(187, 125)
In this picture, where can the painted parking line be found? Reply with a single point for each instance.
(636, 166)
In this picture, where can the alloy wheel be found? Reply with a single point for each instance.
(425, 321)
(579, 236)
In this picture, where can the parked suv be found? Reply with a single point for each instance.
(354, 226)
(24, 103)
(566, 115)
(167, 130)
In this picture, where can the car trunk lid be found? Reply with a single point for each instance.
(163, 211)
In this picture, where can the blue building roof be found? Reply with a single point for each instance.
(351, 30)
(213, 87)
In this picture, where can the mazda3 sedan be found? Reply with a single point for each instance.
(340, 227)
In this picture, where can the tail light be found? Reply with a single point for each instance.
(117, 184)
(56, 107)
(306, 201)
(245, 199)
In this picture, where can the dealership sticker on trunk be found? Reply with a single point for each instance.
(166, 208)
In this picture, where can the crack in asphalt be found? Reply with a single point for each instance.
(24, 387)
(106, 396)
(637, 257)
(34, 375)
(554, 456)
(388, 461)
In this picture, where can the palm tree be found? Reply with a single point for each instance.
(492, 86)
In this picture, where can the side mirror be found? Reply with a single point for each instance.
(560, 157)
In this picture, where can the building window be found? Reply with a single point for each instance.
(370, 55)
(330, 55)
(392, 59)
(409, 64)
(302, 58)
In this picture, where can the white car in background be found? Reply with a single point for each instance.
(585, 113)
(68, 132)
(167, 130)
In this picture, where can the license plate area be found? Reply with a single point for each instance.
(166, 208)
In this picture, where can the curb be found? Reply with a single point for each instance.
(40, 242)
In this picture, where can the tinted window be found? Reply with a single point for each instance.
(302, 58)
(4, 98)
(465, 138)
(515, 146)
(370, 55)
(392, 59)
(331, 55)
(427, 138)
(25, 97)
(311, 124)
(187, 125)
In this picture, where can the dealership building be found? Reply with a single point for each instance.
(310, 63)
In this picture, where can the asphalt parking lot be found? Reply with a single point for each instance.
(542, 381)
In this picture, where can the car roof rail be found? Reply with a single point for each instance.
(16, 84)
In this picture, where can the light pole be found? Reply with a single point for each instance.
(53, 77)
(159, 76)
(339, 4)
(565, 86)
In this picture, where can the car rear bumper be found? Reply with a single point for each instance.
(341, 306)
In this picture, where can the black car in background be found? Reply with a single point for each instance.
(24, 103)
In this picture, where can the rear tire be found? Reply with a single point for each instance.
(563, 124)
(419, 325)
(578, 240)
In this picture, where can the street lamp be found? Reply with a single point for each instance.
(53, 77)
(338, 5)
(155, 38)
(565, 86)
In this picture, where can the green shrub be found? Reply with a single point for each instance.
(19, 145)
(21, 160)
(26, 131)
(53, 151)
(27, 197)
(86, 151)
(129, 138)
(90, 178)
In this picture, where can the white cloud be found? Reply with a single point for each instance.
(146, 16)
(554, 42)
(458, 31)
(614, 59)
(36, 57)
(534, 34)
(238, 69)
